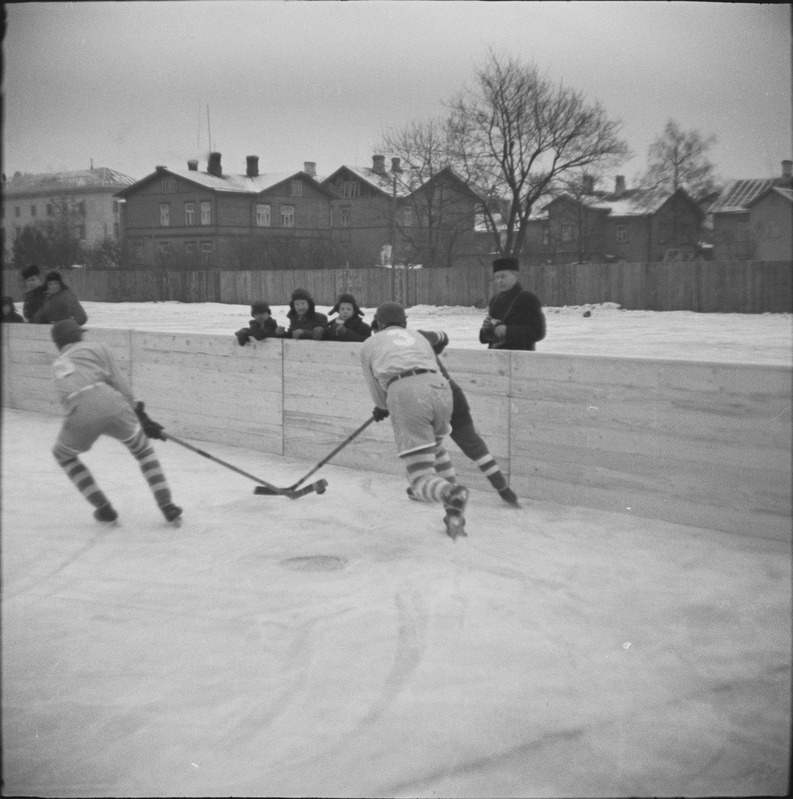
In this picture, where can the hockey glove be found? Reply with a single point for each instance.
(243, 336)
(150, 427)
(379, 413)
(318, 333)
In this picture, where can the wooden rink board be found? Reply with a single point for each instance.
(704, 444)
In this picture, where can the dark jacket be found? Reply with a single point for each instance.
(521, 312)
(306, 324)
(257, 330)
(14, 316)
(63, 305)
(33, 300)
(354, 329)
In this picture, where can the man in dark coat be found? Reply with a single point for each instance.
(60, 303)
(36, 291)
(515, 320)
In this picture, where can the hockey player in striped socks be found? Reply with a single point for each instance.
(98, 401)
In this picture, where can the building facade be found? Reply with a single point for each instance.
(771, 224)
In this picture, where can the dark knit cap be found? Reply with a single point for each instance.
(390, 313)
(350, 299)
(67, 331)
(54, 276)
(30, 271)
(260, 306)
(301, 294)
(506, 263)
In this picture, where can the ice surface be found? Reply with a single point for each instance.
(342, 645)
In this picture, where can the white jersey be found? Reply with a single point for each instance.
(391, 352)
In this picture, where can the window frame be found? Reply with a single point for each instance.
(189, 213)
(205, 213)
(264, 215)
(295, 188)
(287, 216)
(165, 214)
(621, 234)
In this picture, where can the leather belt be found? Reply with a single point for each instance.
(84, 388)
(409, 373)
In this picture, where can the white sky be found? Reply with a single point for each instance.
(128, 84)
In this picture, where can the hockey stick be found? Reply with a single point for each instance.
(263, 489)
(319, 486)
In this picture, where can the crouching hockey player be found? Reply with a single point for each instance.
(402, 373)
(99, 401)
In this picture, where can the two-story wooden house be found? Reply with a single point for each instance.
(771, 224)
(193, 218)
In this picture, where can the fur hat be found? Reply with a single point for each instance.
(351, 300)
(67, 331)
(55, 276)
(390, 313)
(300, 294)
(31, 271)
(506, 263)
(260, 306)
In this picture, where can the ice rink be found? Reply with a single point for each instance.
(342, 645)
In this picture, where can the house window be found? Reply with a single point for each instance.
(344, 217)
(568, 233)
(164, 248)
(350, 188)
(189, 213)
(190, 248)
(32, 210)
(206, 253)
(262, 215)
(407, 216)
(168, 185)
(206, 213)
(622, 234)
(165, 214)
(296, 188)
(139, 250)
(287, 216)
(546, 236)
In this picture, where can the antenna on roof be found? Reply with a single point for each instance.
(209, 130)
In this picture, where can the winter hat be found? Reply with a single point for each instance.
(350, 299)
(55, 276)
(67, 331)
(30, 271)
(506, 263)
(301, 294)
(260, 306)
(390, 313)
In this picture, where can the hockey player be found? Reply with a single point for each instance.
(402, 374)
(98, 401)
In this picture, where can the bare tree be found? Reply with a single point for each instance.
(516, 135)
(678, 159)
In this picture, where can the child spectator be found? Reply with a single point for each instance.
(304, 320)
(10, 313)
(348, 325)
(59, 303)
(36, 291)
(260, 327)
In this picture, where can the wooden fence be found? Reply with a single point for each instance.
(704, 286)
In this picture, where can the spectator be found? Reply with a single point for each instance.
(36, 292)
(10, 313)
(304, 320)
(401, 371)
(515, 320)
(60, 303)
(98, 401)
(260, 327)
(348, 325)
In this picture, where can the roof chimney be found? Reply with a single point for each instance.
(395, 165)
(787, 177)
(252, 169)
(161, 168)
(588, 184)
(213, 167)
(310, 168)
(192, 165)
(619, 185)
(378, 164)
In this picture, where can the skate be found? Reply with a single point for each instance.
(172, 513)
(454, 520)
(508, 495)
(411, 494)
(455, 525)
(106, 514)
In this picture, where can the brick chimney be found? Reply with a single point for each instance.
(787, 177)
(310, 168)
(213, 167)
(192, 165)
(396, 165)
(619, 185)
(160, 169)
(588, 184)
(252, 169)
(378, 164)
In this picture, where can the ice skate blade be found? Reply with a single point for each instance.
(455, 527)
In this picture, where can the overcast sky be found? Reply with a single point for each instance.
(128, 84)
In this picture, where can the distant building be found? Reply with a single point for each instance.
(771, 224)
(85, 197)
(735, 237)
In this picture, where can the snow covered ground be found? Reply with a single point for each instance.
(609, 330)
(342, 645)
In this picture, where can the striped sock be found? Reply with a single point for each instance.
(140, 447)
(79, 474)
(426, 484)
(490, 469)
(443, 464)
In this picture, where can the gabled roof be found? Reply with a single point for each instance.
(737, 194)
(59, 181)
(632, 202)
(382, 181)
(785, 193)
